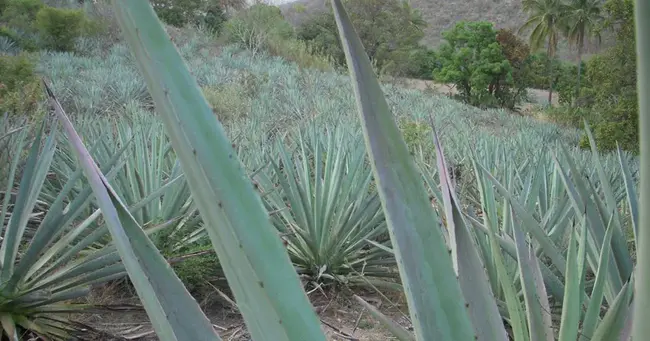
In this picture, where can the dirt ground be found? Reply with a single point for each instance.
(342, 317)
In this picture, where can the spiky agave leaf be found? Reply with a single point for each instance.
(266, 288)
(586, 202)
(31, 286)
(174, 314)
(434, 296)
(572, 315)
(468, 264)
(325, 207)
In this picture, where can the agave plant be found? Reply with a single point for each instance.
(146, 174)
(448, 293)
(45, 267)
(326, 209)
(8, 46)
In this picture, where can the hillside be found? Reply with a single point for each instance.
(443, 14)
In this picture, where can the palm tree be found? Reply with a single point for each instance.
(547, 23)
(583, 17)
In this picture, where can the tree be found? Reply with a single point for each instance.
(254, 27)
(321, 34)
(547, 22)
(59, 27)
(584, 18)
(420, 63)
(610, 90)
(517, 52)
(473, 60)
(389, 31)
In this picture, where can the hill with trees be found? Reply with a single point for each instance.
(442, 15)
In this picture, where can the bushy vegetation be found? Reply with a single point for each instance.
(609, 91)
(58, 28)
(20, 88)
(487, 71)
(33, 25)
(179, 13)
(393, 47)
(607, 96)
(263, 28)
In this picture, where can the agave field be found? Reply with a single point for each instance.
(492, 226)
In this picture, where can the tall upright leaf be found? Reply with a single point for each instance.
(574, 285)
(622, 256)
(469, 266)
(30, 185)
(174, 314)
(264, 283)
(433, 293)
(537, 326)
(597, 293)
(642, 298)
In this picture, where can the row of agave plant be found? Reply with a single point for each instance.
(464, 271)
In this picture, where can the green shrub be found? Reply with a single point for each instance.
(16, 21)
(416, 135)
(10, 34)
(610, 83)
(299, 8)
(517, 52)
(263, 28)
(256, 26)
(176, 13)
(421, 62)
(299, 52)
(59, 27)
(214, 19)
(196, 266)
(21, 13)
(20, 88)
(566, 83)
(228, 101)
(390, 46)
(22, 42)
(609, 134)
(320, 34)
(569, 116)
(93, 26)
(179, 13)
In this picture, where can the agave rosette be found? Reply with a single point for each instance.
(45, 267)
(320, 192)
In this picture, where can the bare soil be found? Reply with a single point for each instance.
(342, 318)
